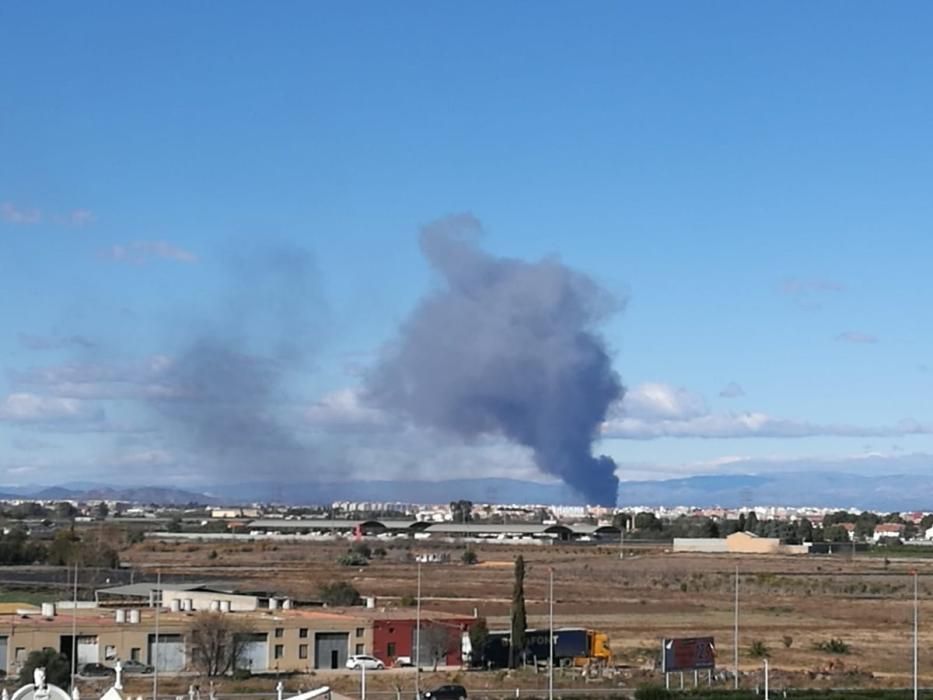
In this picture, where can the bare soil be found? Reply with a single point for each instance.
(789, 603)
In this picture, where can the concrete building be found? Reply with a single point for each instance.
(706, 545)
(750, 543)
(885, 531)
(280, 640)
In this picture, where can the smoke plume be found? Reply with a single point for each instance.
(231, 374)
(508, 347)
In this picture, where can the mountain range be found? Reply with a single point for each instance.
(911, 491)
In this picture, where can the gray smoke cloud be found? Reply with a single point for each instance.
(509, 347)
(229, 381)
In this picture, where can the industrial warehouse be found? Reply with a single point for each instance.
(411, 529)
(126, 623)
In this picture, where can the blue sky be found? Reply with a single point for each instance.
(752, 177)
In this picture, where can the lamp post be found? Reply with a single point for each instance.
(916, 634)
(550, 662)
(155, 663)
(766, 680)
(418, 638)
(735, 632)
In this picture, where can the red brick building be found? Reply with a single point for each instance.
(441, 638)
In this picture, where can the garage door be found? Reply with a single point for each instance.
(171, 652)
(330, 649)
(255, 654)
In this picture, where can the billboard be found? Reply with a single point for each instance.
(688, 654)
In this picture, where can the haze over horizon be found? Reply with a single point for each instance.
(209, 241)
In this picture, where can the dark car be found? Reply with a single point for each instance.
(446, 692)
(96, 670)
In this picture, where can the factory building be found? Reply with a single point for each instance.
(279, 640)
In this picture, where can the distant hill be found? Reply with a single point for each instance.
(890, 492)
(139, 494)
(799, 488)
(404, 491)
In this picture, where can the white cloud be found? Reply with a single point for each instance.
(141, 380)
(857, 337)
(655, 410)
(139, 252)
(31, 408)
(656, 401)
(344, 410)
(23, 217)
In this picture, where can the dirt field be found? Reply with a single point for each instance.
(790, 604)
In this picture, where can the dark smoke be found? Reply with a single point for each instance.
(230, 378)
(509, 347)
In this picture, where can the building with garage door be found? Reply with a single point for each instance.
(441, 639)
(277, 640)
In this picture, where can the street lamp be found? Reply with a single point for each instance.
(550, 663)
(418, 639)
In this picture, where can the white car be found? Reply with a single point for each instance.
(370, 663)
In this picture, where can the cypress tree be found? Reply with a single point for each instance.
(519, 621)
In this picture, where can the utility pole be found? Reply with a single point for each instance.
(916, 632)
(622, 524)
(735, 633)
(74, 629)
(550, 661)
(766, 680)
(155, 663)
(418, 639)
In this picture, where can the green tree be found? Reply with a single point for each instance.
(835, 533)
(57, 668)
(65, 510)
(462, 511)
(648, 521)
(865, 525)
(339, 593)
(751, 522)
(518, 616)
(101, 510)
(804, 530)
(469, 556)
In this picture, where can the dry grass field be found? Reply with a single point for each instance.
(789, 604)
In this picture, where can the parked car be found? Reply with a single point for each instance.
(370, 663)
(133, 666)
(403, 661)
(446, 692)
(95, 670)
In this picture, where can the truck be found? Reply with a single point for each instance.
(575, 646)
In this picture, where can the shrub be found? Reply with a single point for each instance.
(758, 650)
(833, 646)
(788, 641)
(408, 601)
(339, 593)
(469, 557)
(652, 692)
(352, 559)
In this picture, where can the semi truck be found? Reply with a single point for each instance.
(575, 646)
